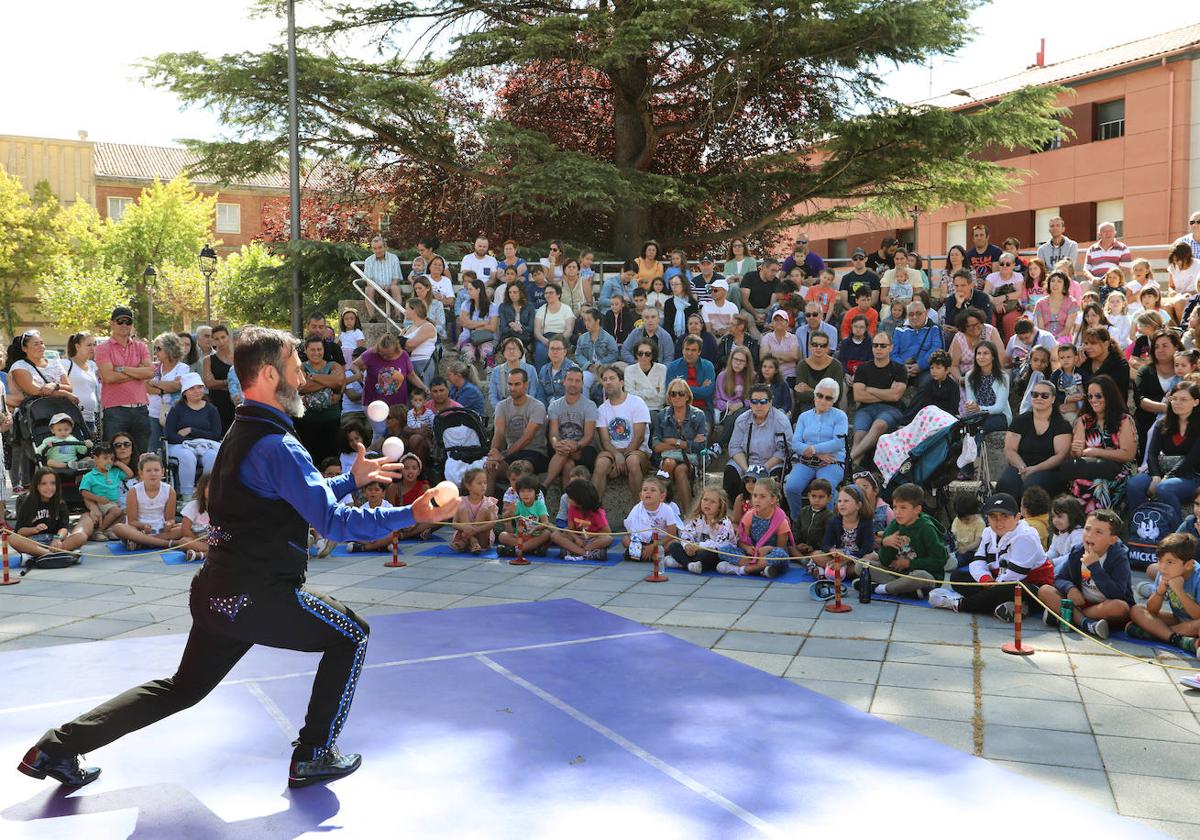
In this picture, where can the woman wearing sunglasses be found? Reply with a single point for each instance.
(819, 444)
(1103, 446)
(1036, 445)
(680, 432)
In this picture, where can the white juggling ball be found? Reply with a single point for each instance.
(393, 449)
(444, 493)
(377, 411)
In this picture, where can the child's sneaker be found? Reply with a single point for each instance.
(671, 563)
(1097, 627)
(326, 549)
(944, 599)
(1145, 589)
(1189, 644)
(573, 558)
(506, 550)
(1050, 619)
(352, 547)
(1133, 631)
(774, 570)
(1007, 611)
(695, 568)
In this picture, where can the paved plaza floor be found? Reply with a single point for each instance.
(1117, 733)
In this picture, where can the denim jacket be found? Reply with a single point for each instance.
(694, 424)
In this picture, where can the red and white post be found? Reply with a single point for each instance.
(520, 560)
(7, 580)
(395, 562)
(657, 575)
(838, 606)
(1016, 647)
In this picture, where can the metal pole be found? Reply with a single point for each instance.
(207, 300)
(293, 161)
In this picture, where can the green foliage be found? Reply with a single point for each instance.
(29, 239)
(76, 296)
(179, 293)
(248, 288)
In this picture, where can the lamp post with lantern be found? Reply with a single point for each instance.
(208, 267)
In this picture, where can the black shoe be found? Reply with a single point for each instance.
(68, 771)
(505, 551)
(328, 765)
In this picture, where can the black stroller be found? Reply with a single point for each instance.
(458, 435)
(31, 426)
(932, 464)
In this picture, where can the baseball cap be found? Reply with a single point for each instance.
(1000, 503)
(756, 472)
(858, 252)
(779, 313)
(719, 284)
(61, 417)
(121, 312)
(706, 259)
(190, 380)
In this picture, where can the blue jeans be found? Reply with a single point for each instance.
(135, 421)
(867, 414)
(1177, 492)
(156, 434)
(541, 354)
(801, 476)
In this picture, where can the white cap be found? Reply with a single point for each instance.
(719, 284)
(189, 380)
(779, 313)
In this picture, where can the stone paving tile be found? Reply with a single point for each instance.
(939, 677)
(844, 648)
(83, 608)
(788, 609)
(953, 733)
(331, 579)
(716, 605)
(95, 628)
(1150, 724)
(923, 615)
(1050, 714)
(760, 642)
(33, 640)
(599, 584)
(857, 695)
(429, 600)
(451, 587)
(1091, 785)
(920, 702)
(1041, 746)
(485, 601)
(1043, 662)
(646, 615)
(955, 634)
(1042, 641)
(137, 595)
(516, 590)
(704, 637)
(836, 670)
(586, 596)
(772, 663)
(22, 624)
(663, 590)
(394, 583)
(1130, 693)
(1162, 759)
(149, 613)
(634, 599)
(773, 624)
(1118, 668)
(715, 588)
(834, 626)
(689, 618)
(1030, 685)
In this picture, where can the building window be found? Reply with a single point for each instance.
(1041, 224)
(838, 249)
(1110, 119)
(956, 234)
(1113, 211)
(229, 218)
(117, 205)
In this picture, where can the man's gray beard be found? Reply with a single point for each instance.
(289, 398)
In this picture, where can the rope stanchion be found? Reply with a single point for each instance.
(520, 559)
(6, 581)
(838, 606)
(1016, 647)
(656, 549)
(395, 562)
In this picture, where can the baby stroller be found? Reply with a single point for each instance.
(460, 442)
(933, 464)
(31, 426)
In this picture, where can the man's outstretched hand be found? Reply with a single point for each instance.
(424, 511)
(365, 470)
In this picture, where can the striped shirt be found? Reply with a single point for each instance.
(1098, 260)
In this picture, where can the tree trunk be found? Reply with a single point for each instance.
(631, 227)
(630, 84)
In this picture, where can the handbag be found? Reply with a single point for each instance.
(1007, 289)
(482, 336)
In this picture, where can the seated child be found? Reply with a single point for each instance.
(881, 512)
(813, 517)
(149, 509)
(351, 433)
(764, 535)
(913, 543)
(195, 521)
(1009, 552)
(652, 521)
(331, 467)
(508, 504)
(43, 524)
(474, 507)
(1191, 523)
(532, 519)
(741, 504)
(848, 536)
(406, 491)
(940, 391)
(1095, 579)
(967, 527)
(1035, 509)
(417, 433)
(1066, 520)
(373, 497)
(62, 449)
(564, 501)
(584, 513)
(101, 492)
(707, 532)
(1177, 587)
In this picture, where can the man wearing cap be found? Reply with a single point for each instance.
(858, 274)
(719, 312)
(125, 366)
(703, 280)
(881, 260)
(811, 264)
(1009, 552)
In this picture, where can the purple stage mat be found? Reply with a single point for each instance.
(549, 719)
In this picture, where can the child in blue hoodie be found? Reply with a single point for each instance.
(1096, 579)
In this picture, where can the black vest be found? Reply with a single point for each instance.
(253, 542)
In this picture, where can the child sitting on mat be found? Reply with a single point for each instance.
(532, 519)
(1035, 509)
(1066, 525)
(967, 527)
(101, 492)
(474, 507)
(406, 491)
(564, 501)
(651, 521)
(813, 517)
(149, 507)
(584, 513)
(373, 497)
(43, 524)
(708, 537)
(914, 544)
(1177, 589)
(331, 467)
(1095, 579)
(849, 535)
(516, 469)
(764, 535)
(741, 504)
(195, 521)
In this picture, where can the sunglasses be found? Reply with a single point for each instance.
(816, 344)
(125, 322)
(1041, 395)
(680, 394)
(812, 314)
(644, 353)
(1095, 397)
(123, 444)
(822, 397)
(859, 257)
(880, 344)
(760, 402)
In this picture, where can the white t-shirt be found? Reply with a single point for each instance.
(640, 521)
(718, 317)
(482, 266)
(442, 287)
(350, 339)
(1184, 279)
(85, 383)
(51, 373)
(620, 419)
(191, 511)
(152, 512)
(156, 401)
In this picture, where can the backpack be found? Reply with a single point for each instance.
(1149, 523)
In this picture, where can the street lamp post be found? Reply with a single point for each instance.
(293, 161)
(914, 213)
(208, 267)
(150, 275)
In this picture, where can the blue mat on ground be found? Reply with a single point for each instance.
(447, 550)
(170, 557)
(547, 718)
(896, 599)
(795, 574)
(1122, 636)
(179, 558)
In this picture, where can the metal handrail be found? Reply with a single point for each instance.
(363, 282)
